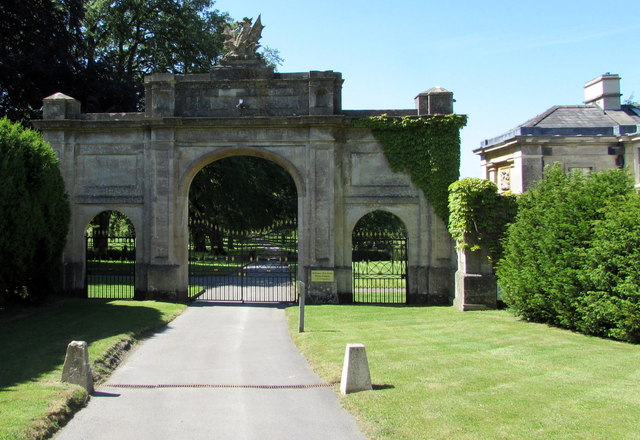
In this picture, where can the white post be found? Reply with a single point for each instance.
(355, 370)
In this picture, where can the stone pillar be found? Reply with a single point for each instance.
(320, 276)
(435, 101)
(475, 284)
(76, 367)
(160, 93)
(162, 271)
(355, 370)
(60, 106)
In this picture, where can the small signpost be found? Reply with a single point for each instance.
(301, 295)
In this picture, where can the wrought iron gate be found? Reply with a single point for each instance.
(379, 268)
(252, 266)
(110, 266)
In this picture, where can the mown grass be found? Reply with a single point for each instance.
(443, 374)
(33, 401)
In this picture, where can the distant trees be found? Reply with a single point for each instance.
(571, 255)
(98, 51)
(34, 214)
(40, 53)
(242, 193)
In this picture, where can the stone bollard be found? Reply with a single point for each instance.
(355, 370)
(76, 367)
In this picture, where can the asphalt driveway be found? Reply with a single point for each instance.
(218, 371)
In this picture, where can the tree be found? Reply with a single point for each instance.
(40, 45)
(34, 214)
(241, 193)
(610, 304)
(127, 39)
(380, 222)
(545, 248)
(98, 51)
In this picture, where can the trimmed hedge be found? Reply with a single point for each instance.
(563, 255)
(610, 307)
(34, 214)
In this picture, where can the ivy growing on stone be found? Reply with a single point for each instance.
(479, 215)
(426, 147)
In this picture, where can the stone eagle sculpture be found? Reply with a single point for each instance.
(242, 40)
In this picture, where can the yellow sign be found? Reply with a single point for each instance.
(322, 276)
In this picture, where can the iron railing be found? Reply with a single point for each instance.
(243, 266)
(110, 266)
(379, 268)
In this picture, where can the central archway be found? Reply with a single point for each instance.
(243, 237)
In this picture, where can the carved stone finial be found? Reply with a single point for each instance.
(242, 41)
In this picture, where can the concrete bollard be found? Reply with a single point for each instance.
(76, 367)
(355, 370)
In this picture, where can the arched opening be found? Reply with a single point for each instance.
(243, 241)
(379, 259)
(110, 256)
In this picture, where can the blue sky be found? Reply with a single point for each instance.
(505, 61)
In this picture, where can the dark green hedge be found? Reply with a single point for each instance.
(34, 214)
(569, 257)
(610, 304)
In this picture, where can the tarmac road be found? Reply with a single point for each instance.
(218, 371)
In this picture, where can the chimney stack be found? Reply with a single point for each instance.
(435, 101)
(604, 91)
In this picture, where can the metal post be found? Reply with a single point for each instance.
(301, 295)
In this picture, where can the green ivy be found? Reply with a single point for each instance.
(479, 215)
(426, 147)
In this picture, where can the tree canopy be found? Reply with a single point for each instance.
(40, 45)
(34, 214)
(98, 51)
(243, 193)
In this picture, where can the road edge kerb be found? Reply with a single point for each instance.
(76, 397)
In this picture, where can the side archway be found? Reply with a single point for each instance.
(379, 259)
(110, 257)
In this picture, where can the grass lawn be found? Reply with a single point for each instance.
(33, 347)
(443, 374)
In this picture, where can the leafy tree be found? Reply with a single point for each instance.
(545, 248)
(40, 44)
(34, 214)
(241, 194)
(380, 222)
(610, 306)
(127, 39)
(98, 51)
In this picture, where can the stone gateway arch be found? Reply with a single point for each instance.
(142, 164)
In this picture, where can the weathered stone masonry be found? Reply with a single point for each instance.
(142, 165)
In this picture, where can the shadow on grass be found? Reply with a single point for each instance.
(34, 346)
(385, 386)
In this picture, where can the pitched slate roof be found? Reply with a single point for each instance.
(575, 120)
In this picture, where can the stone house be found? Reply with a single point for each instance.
(601, 134)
